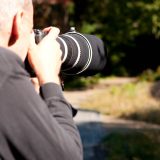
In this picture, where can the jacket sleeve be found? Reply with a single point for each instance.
(37, 128)
(61, 110)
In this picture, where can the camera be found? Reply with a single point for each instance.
(82, 54)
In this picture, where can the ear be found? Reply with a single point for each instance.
(16, 28)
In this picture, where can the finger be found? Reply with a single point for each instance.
(53, 32)
(47, 29)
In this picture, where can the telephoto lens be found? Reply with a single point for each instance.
(82, 54)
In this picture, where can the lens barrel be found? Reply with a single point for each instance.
(81, 53)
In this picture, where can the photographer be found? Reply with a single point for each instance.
(32, 127)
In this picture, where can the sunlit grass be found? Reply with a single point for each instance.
(131, 100)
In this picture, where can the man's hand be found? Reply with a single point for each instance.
(45, 58)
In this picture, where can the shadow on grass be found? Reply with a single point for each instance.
(150, 116)
(155, 91)
(119, 141)
(132, 146)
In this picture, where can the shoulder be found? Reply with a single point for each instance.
(10, 64)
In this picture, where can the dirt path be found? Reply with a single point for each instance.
(75, 97)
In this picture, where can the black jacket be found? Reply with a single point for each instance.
(31, 127)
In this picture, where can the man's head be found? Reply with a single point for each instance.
(16, 23)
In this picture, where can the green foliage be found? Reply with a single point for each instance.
(150, 75)
(118, 23)
(133, 146)
(52, 15)
(82, 82)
